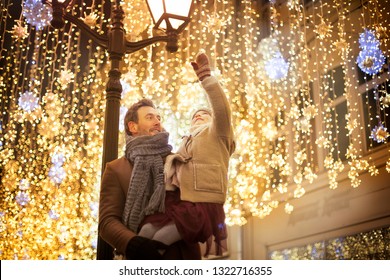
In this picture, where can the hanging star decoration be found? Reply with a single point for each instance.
(37, 14)
(370, 58)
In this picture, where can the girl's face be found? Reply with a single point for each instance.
(201, 117)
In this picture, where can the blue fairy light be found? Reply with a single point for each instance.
(277, 67)
(368, 40)
(122, 114)
(371, 61)
(22, 198)
(57, 174)
(94, 206)
(37, 14)
(94, 244)
(24, 184)
(54, 215)
(125, 87)
(28, 101)
(58, 159)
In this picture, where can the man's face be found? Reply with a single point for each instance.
(149, 122)
(201, 117)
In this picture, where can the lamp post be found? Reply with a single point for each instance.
(172, 16)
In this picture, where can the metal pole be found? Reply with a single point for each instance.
(116, 50)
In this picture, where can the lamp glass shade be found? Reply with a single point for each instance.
(59, 1)
(172, 14)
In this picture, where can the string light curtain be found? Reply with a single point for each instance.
(52, 104)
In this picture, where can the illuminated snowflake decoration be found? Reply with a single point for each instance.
(379, 133)
(130, 77)
(150, 86)
(323, 30)
(28, 101)
(270, 131)
(370, 58)
(371, 61)
(66, 77)
(310, 111)
(304, 125)
(267, 47)
(19, 31)
(37, 14)
(385, 100)
(214, 24)
(342, 47)
(22, 198)
(90, 19)
(351, 125)
(276, 67)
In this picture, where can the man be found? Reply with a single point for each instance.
(124, 202)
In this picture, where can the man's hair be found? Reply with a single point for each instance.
(132, 112)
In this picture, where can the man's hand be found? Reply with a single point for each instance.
(141, 248)
(201, 66)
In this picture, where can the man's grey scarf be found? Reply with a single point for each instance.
(146, 194)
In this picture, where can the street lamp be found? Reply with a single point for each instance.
(171, 16)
